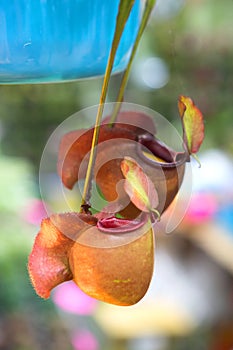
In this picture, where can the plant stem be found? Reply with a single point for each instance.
(145, 17)
(122, 17)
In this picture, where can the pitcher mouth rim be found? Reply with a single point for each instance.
(179, 158)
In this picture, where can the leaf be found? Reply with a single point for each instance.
(192, 122)
(48, 263)
(138, 186)
(73, 148)
(75, 145)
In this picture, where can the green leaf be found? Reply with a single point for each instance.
(138, 186)
(192, 122)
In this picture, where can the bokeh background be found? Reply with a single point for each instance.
(186, 49)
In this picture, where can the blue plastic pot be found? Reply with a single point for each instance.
(59, 40)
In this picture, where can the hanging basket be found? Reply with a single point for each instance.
(60, 40)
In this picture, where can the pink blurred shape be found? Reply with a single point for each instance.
(34, 212)
(85, 340)
(201, 208)
(69, 297)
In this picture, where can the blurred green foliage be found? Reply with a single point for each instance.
(197, 47)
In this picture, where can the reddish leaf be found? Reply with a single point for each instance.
(138, 186)
(48, 263)
(193, 125)
(76, 144)
(137, 122)
(163, 166)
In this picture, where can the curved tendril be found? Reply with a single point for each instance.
(157, 213)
